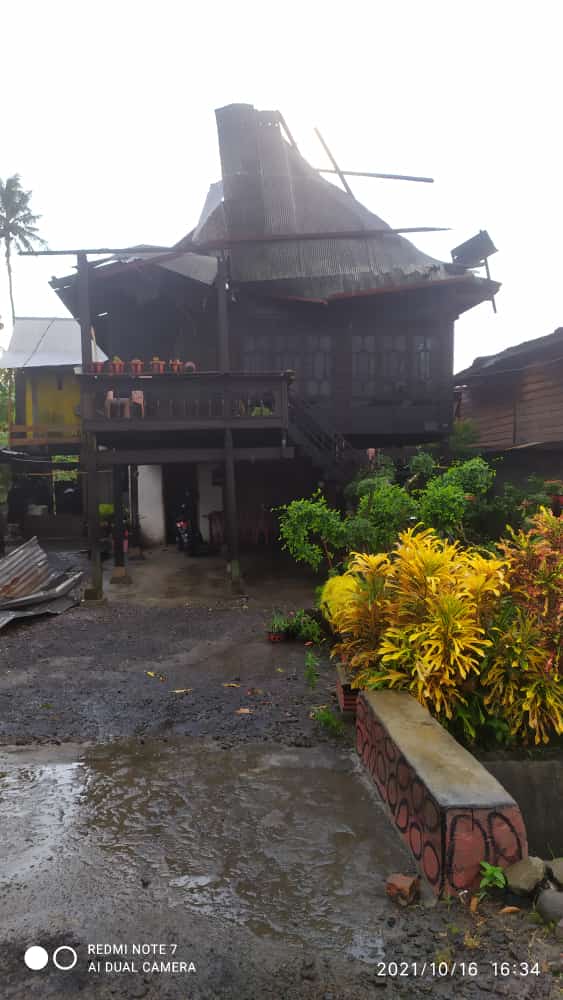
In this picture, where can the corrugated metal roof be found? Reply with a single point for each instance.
(44, 342)
(268, 189)
(514, 358)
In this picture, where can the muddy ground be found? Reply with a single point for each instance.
(133, 813)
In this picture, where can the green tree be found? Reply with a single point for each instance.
(17, 224)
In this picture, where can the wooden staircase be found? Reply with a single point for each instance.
(328, 450)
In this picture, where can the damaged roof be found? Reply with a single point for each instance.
(269, 191)
(290, 233)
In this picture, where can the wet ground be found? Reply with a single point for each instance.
(141, 806)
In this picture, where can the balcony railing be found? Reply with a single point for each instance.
(31, 435)
(169, 401)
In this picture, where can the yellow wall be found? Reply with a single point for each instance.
(53, 405)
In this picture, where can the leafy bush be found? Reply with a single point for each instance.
(442, 506)
(416, 621)
(477, 638)
(522, 675)
(474, 476)
(463, 440)
(303, 626)
(380, 516)
(422, 465)
(311, 531)
(335, 593)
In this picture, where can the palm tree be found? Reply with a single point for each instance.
(17, 224)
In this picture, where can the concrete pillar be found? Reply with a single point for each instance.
(151, 505)
(210, 497)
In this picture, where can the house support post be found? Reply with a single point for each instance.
(95, 592)
(231, 513)
(231, 516)
(120, 574)
(134, 550)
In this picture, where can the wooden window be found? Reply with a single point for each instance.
(379, 366)
(424, 357)
(308, 355)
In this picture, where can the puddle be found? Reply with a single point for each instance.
(289, 844)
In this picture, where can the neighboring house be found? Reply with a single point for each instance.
(44, 353)
(515, 399)
(364, 324)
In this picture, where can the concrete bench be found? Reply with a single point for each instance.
(450, 811)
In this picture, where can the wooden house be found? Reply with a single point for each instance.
(45, 356)
(515, 400)
(313, 331)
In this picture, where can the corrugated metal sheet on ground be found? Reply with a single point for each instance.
(24, 570)
(29, 586)
(55, 607)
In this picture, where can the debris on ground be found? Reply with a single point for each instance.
(30, 585)
(404, 889)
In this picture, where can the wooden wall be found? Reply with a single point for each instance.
(377, 366)
(518, 409)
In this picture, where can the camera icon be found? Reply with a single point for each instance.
(64, 957)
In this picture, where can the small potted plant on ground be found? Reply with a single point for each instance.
(116, 365)
(157, 365)
(277, 627)
(136, 366)
(175, 366)
(555, 489)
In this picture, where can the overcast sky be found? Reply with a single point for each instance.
(107, 114)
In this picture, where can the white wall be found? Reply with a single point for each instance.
(151, 505)
(210, 497)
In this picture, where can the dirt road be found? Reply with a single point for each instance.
(134, 815)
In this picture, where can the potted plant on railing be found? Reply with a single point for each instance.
(189, 368)
(97, 367)
(261, 410)
(157, 365)
(136, 366)
(176, 366)
(116, 365)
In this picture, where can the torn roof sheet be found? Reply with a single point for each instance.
(268, 189)
(29, 586)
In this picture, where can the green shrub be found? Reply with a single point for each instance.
(422, 465)
(442, 506)
(303, 626)
(474, 476)
(311, 531)
(381, 515)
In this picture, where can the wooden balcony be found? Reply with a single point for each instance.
(40, 435)
(170, 402)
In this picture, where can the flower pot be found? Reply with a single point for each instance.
(176, 366)
(136, 366)
(157, 366)
(117, 367)
(97, 367)
(276, 636)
